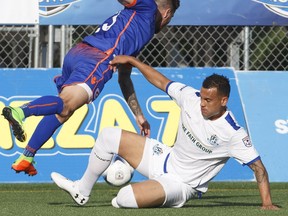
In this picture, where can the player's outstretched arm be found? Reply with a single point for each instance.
(263, 185)
(129, 94)
(152, 75)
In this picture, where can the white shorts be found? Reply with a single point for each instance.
(153, 166)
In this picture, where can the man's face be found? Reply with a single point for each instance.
(212, 104)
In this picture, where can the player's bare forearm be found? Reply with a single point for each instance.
(134, 105)
(129, 94)
(127, 89)
(263, 185)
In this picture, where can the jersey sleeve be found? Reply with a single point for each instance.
(242, 149)
(179, 92)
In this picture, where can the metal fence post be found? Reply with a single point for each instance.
(37, 43)
(50, 46)
(246, 47)
(63, 43)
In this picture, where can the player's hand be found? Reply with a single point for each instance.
(270, 207)
(121, 59)
(143, 125)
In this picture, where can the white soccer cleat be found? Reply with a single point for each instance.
(70, 187)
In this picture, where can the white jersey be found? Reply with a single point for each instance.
(204, 146)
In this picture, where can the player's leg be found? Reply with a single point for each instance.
(73, 97)
(164, 190)
(109, 142)
(45, 105)
(78, 64)
(145, 194)
(149, 162)
(132, 147)
(100, 157)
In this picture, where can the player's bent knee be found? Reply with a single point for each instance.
(125, 198)
(109, 140)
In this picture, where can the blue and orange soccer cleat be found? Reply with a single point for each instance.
(15, 116)
(24, 164)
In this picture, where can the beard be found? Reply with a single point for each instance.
(158, 22)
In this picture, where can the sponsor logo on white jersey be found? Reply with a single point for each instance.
(247, 142)
(213, 139)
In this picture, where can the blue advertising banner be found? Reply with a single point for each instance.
(264, 96)
(68, 150)
(198, 12)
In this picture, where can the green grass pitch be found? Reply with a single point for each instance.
(222, 198)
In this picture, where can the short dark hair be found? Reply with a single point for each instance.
(217, 81)
(173, 4)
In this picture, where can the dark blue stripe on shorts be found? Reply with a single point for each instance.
(165, 163)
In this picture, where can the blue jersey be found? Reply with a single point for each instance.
(117, 34)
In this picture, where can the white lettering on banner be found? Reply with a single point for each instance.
(49, 8)
(278, 7)
(281, 126)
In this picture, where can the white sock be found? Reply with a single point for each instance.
(125, 198)
(100, 157)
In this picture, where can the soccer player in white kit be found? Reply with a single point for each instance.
(208, 135)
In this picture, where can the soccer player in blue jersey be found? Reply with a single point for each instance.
(86, 70)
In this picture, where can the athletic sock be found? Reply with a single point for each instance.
(29, 152)
(46, 105)
(126, 198)
(100, 157)
(43, 132)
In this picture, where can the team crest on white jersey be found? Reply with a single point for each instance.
(279, 7)
(247, 142)
(213, 139)
(52, 7)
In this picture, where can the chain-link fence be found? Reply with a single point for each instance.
(17, 46)
(244, 48)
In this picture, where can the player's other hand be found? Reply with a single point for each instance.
(270, 207)
(144, 125)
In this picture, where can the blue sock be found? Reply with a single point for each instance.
(43, 132)
(46, 105)
(29, 152)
